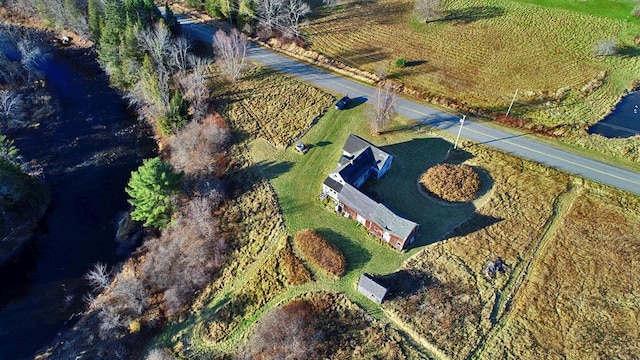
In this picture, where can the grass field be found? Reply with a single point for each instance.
(482, 51)
(581, 299)
(266, 105)
(570, 289)
(455, 309)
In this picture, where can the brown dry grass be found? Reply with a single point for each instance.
(455, 307)
(265, 104)
(582, 297)
(320, 252)
(453, 183)
(297, 273)
(343, 330)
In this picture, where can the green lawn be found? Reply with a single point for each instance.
(620, 10)
(297, 180)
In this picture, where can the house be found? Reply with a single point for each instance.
(361, 161)
(372, 289)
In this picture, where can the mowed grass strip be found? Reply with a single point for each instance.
(620, 10)
(485, 50)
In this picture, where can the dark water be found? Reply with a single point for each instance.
(88, 149)
(623, 122)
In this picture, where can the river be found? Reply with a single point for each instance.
(88, 150)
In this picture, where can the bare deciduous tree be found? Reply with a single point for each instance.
(186, 255)
(110, 321)
(130, 294)
(231, 51)
(194, 86)
(295, 10)
(383, 109)
(31, 57)
(193, 149)
(11, 109)
(179, 54)
(270, 14)
(156, 42)
(98, 277)
(429, 10)
(24, 7)
(11, 72)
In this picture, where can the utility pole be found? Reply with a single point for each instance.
(512, 100)
(455, 146)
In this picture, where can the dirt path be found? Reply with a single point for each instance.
(504, 300)
(419, 342)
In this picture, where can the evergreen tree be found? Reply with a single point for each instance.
(130, 55)
(9, 153)
(246, 12)
(144, 11)
(171, 20)
(150, 188)
(212, 7)
(96, 15)
(149, 83)
(110, 38)
(176, 117)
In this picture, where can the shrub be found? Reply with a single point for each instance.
(320, 252)
(289, 332)
(454, 183)
(401, 62)
(606, 47)
(636, 11)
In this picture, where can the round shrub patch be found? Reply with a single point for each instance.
(453, 183)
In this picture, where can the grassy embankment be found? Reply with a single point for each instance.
(454, 307)
(481, 52)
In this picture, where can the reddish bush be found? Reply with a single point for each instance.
(320, 252)
(454, 183)
(512, 121)
(290, 332)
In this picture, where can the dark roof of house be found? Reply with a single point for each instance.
(333, 184)
(376, 212)
(371, 286)
(353, 170)
(355, 144)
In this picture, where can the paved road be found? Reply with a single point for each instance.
(521, 145)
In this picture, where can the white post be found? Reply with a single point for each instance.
(512, 100)
(455, 146)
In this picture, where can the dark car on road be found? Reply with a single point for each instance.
(343, 103)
